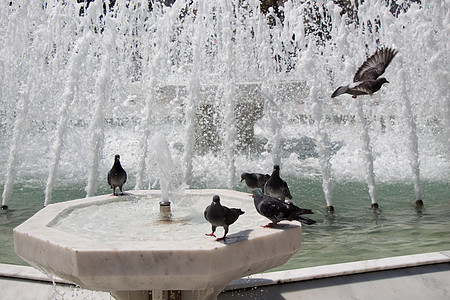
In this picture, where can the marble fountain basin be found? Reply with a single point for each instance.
(197, 268)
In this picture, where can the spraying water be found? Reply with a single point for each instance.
(413, 143)
(165, 165)
(105, 74)
(367, 153)
(19, 128)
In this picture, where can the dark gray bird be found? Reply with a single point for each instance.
(277, 187)
(366, 81)
(219, 215)
(117, 176)
(276, 210)
(255, 180)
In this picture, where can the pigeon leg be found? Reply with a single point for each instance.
(121, 192)
(212, 233)
(224, 235)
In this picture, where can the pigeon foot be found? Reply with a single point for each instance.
(270, 225)
(221, 239)
(211, 234)
(354, 96)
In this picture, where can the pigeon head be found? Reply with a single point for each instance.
(243, 176)
(383, 80)
(276, 167)
(378, 83)
(117, 157)
(216, 199)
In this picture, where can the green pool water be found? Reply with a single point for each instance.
(355, 232)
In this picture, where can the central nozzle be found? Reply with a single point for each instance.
(164, 211)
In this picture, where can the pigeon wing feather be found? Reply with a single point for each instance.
(375, 65)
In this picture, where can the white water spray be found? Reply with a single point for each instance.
(192, 99)
(367, 152)
(229, 96)
(165, 166)
(150, 98)
(413, 143)
(186, 47)
(78, 55)
(19, 129)
(96, 127)
(323, 146)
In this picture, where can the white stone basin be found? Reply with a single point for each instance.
(198, 268)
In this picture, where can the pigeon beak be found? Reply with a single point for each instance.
(242, 179)
(387, 81)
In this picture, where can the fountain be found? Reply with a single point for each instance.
(231, 88)
(140, 258)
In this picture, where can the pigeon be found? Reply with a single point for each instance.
(117, 176)
(219, 215)
(277, 187)
(276, 210)
(366, 81)
(255, 180)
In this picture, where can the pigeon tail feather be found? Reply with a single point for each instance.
(340, 90)
(305, 220)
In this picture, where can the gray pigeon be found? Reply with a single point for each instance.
(117, 176)
(219, 215)
(276, 210)
(366, 81)
(277, 187)
(255, 180)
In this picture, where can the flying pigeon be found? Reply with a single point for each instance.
(366, 81)
(255, 180)
(277, 187)
(117, 176)
(276, 210)
(219, 215)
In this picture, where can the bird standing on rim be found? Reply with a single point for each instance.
(277, 187)
(117, 176)
(276, 210)
(219, 215)
(366, 81)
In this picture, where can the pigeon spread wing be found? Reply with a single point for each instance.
(375, 65)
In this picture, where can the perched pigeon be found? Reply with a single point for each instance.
(366, 81)
(276, 210)
(117, 176)
(219, 215)
(255, 180)
(277, 187)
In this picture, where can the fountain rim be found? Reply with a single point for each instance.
(152, 265)
(39, 226)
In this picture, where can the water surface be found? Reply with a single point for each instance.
(354, 233)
